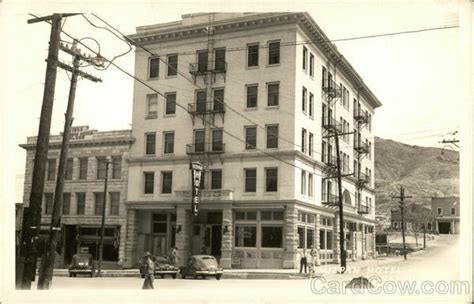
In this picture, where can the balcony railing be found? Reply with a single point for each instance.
(330, 160)
(202, 68)
(201, 148)
(331, 88)
(332, 125)
(362, 179)
(206, 107)
(361, 116)
(361, 147)
(330, 199)
(363, 209)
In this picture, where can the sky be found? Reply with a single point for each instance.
(418, 77)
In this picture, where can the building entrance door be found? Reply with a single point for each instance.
(216, 240)
(444, 228)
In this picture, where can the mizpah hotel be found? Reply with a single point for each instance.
(254, 97)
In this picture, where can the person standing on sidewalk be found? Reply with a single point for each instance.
(303, 261)
(149, 271)
(174, 256)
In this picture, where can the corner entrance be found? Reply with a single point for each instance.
(444, 228)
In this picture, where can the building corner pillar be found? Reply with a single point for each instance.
(226, 248)
(336, 257)
(183, 237)
(317, 241)
(291, 240)
(131, 239)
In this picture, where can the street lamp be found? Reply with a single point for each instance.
(101, 244)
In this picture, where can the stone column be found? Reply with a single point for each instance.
(317, 241)
(183, 237)
(291, 238)
(226, 248)
(354, 245)
(364, 242)
(336, 259)
(130, 242)
(374, 245)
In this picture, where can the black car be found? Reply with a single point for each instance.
(82, 263)
(163, 266)
(201, 266)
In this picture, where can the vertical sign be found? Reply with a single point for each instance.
(196, 172)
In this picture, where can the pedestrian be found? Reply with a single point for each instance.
(303, 261)
(174, 256)
(312, 265)
(149, 271)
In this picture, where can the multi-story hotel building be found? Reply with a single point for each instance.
(81, 210)
(252, 96)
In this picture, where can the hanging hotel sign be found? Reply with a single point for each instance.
(196, 173)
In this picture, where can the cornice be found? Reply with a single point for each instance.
(85, 143)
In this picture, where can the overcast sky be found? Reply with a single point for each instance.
(417, 77)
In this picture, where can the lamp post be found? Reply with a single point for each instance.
(101, 244)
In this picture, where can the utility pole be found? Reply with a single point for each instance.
(424, 236)
(402, 198)
(101, 244)
(47, 263)
(341, 211)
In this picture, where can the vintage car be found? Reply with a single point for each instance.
(82, 263)
(163, 266)
(201, 266)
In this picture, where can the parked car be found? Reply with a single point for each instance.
(82, 263)
(163, 266)
(201, 266)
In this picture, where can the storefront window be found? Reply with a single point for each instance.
(301, 237)
(322, 238)
(309, 237)
(272, 236)
(245, 236)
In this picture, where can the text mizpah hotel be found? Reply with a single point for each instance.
(257, 99)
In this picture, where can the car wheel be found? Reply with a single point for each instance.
(218, 277)
(174, 276)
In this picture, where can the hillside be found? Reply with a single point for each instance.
(424, 172)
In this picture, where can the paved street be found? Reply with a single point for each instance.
(431, 264)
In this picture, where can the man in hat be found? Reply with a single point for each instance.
(149, 271)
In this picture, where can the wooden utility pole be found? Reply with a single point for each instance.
(102, 227)
(402, 198)
(341, 211)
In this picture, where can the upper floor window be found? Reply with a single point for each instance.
(116, 167)
(217, 144)
(252, 95)
(218, 99)
(101, 167)
(271, 178)
(274, 52)
(199, 137)
(440, 211)
(153, 67)
(311, 105)
(81, 202)
(310, 144)
(201, 97)
(66, 203)
(166, 182)
(51, 169)
(202, 61)
(453, 211)
(151, 105)
(69, 168)
(305, 58)
(216, 179)
(250, 138)
(311, 65)
(250, 180)
(170, 104)
(220, 60)
(303, 99)
(303, 182)
(150, 143)
(169, 142)
(83, 163)
(303, 140)
(273, 94)
(114, 203)
(272, 136)
(252, 55)
(149, 182)
(48, 203)
(98, 203)
(172, 65)
(310, 185)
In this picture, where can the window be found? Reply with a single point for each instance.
(325, 239)
(271, 216)
(83, 162)
(310, 144)
(252, 96)
(305, 58)
(453, 211)
(153, 67)
(272, 236)
(273, 94)
(303, 182)
(66, 203)
(48, 203)
(116, 167)
(301, 237)
(51, 169)
(170, 104)
(250, 138)
(199, 136)
(166, 182)
(252, 55)
(159, 223)
(311, 104)
(101, 167)
(303, 99)
(151, 105)
(201, 101)
(149, 182)
(274, 52)
(202, 61)
(250, 180)
(81, 202)
(271, 178)
(272, 137)
(217, 144)
(172, 65)
(114, 203)
(150, 143)
(245, 236)
(303, 140)
(98, 202)
(311, 65)
(440, 211)
(310, 185)
(169, 142)
(324, 78)
(69, 168)
(220, 60)
(218, 100)
(246, 216)
(216, 179)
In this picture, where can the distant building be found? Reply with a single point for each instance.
(446, 212)
(415, 216)
(18, 223)
(81, 217)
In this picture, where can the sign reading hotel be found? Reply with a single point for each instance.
(196, 172)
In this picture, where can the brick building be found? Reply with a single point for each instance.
(415, 217)
(446, 213)
(251, 96)
(89, 150)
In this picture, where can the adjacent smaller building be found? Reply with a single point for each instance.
(415, 217)
(446, 212)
